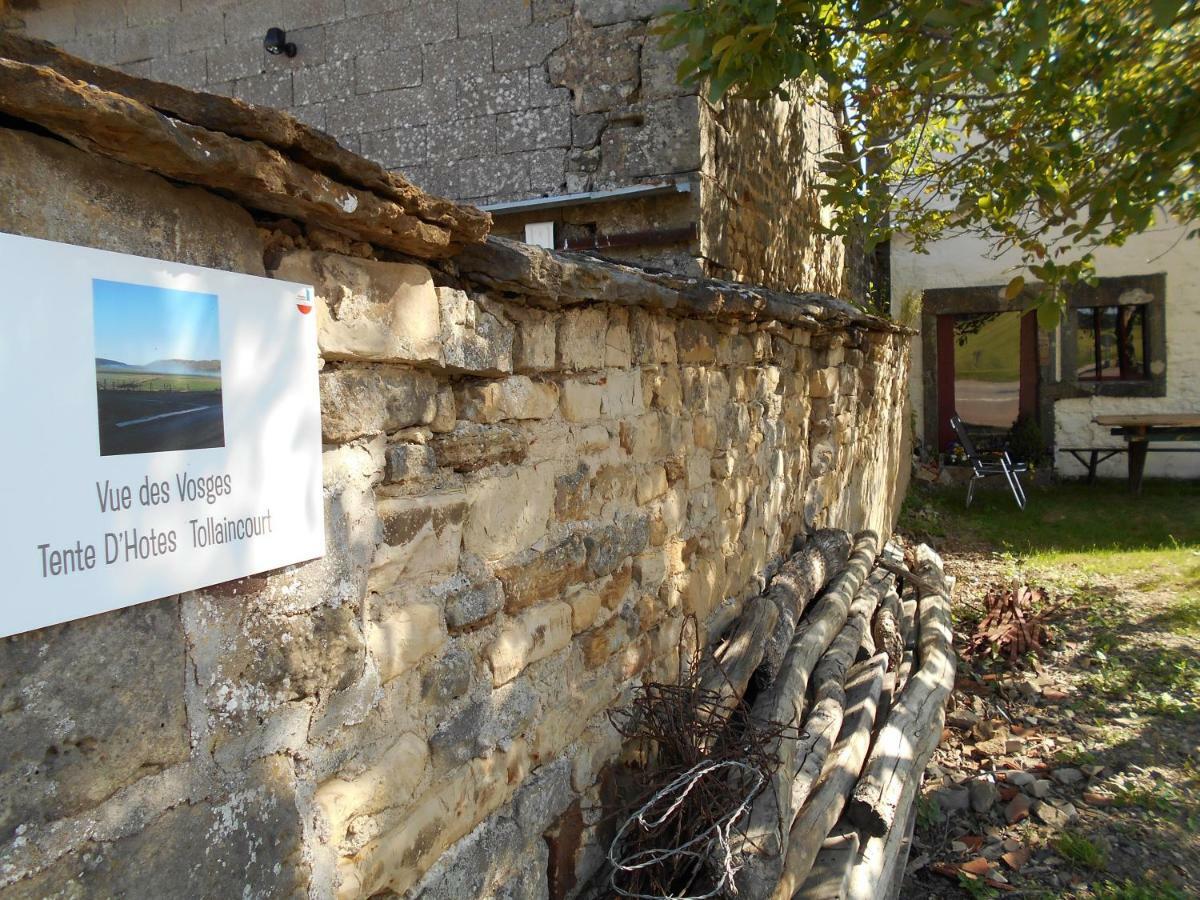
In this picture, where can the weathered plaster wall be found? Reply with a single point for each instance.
(963, 262)
(532, 473)
(759, 198)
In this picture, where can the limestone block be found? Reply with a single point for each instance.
(577, 704)
(667, 390)
(618, 345)
(614, 588)
(535, 575)
(704, 432)
(395, 860)
(404, 635)
(71, 742)
(608, 547)
(534, 347)
(650, 570)
(593, 439)
(642, 438)
(525, 639)
(421, 535)
(701, 588)
(823, 383)
(622, 394)
(572, 493)
(396, 773)
(471, 868)
(652, 338)
(447, 411)
(614, 488)
(602, 642)
(368, 309)
(496, 719)
(470, 446)
(517, 397)
(473, 339)
(149, 216)
(473, 604)
(508, 513)
(582, 335)
(244, 841)
(651, 484)
(581, 400)
(696, 342)
(542, 797)
(448, 677)
(409, 462)
(585, 608)
(362, 401)
(599, 744)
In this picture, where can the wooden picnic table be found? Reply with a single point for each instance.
(1140, 430)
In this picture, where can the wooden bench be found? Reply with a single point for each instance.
(1139, 431)
(1097, 455)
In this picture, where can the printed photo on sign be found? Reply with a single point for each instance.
(158, 368)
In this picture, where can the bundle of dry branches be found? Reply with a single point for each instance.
(1014, 623)
(702, 767)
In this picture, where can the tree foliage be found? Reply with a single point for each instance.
(1050, 127)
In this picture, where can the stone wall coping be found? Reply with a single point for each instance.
(552, 279)
(88, 89)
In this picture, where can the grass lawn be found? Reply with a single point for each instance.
(1097, 529)
(1122, 576)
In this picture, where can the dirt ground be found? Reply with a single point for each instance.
(1076, 772)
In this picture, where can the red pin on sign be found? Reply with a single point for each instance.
(305, 305)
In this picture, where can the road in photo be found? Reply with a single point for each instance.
(158, 369)
(183, 412)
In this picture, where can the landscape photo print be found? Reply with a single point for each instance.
(158, 368)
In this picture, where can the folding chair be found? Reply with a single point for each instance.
(985, 465)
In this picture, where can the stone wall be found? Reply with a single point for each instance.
(535, 466)
(478, 100)
(759, 222)
(505, 100)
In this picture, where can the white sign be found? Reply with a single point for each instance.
(161, 429)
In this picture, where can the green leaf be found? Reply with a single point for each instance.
(720, 84)
(1013, 291)
(1049, 314)
(723, 44)
(1164, 12)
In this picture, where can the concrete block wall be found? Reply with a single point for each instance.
(478, 100)
(524, 498)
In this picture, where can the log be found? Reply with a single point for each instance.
(740, 656)
(913, 728)
(794, 585)
(878, 871)
(908, 622)
(830, 874)
(886, 630)
(838, 778)
(917, 579)
(824, 553)
(825, 644)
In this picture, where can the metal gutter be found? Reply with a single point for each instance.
(682, 186)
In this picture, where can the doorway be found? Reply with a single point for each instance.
(987, 371)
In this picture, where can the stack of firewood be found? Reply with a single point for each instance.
(848, 655)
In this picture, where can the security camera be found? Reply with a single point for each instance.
(276, 42)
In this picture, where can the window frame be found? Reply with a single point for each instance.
(1147, 291)
(1098, 330)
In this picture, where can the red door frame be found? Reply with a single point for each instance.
(1027, 402)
